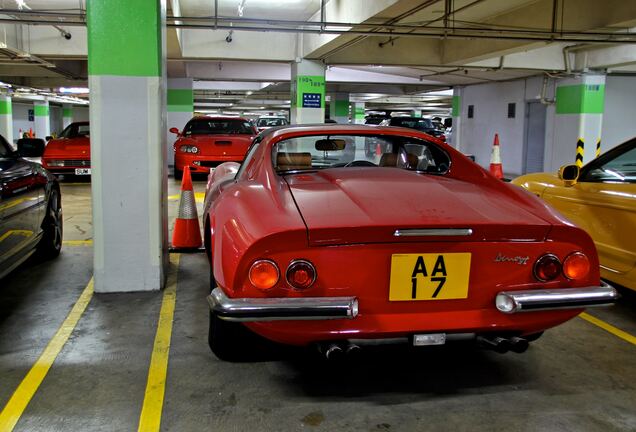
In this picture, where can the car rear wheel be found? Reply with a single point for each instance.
(51, 243)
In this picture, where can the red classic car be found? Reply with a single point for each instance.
(70, 153)
(417, 244)
(206, 142)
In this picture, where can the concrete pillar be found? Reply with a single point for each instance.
(339, 107)
(456, 134)
(6, 118)
(307, 92)
(358, 113)
(42, 123)
(67, 115)
(180, 110)
(126, 71)
(579, 118)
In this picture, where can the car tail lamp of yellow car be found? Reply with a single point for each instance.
(301, 274)
(576, 266)
(547, 268)
(264, 274)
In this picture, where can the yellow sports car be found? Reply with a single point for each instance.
(600, 198)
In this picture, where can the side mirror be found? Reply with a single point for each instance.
(569, 174)
(174, 130)
(31, 147)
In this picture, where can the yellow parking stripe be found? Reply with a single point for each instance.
(150, 418)
(22, 396)
(77, 242)
(609, 328)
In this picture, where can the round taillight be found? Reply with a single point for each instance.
(547, 268)
(576, 266)
(264, 274)
(301, 274)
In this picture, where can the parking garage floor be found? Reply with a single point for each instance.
(579, 376)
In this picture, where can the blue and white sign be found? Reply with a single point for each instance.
(312, 100)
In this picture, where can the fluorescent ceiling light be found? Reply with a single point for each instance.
(74, 90)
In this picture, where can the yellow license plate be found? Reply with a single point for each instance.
(429, 276)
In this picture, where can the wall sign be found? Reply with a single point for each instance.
(312, 100)
(309, 91)
(31, 115)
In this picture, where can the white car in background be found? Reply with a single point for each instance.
(267, 122)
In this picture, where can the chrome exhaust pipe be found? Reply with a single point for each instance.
(497, 344)
(518, 344)
(333, 352)
(353, 350)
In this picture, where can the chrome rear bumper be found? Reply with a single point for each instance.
(277, 309)
(550, 299)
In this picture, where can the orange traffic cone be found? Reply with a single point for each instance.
(186, 233)
(495, 160)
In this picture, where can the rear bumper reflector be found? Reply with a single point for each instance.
(550, 299)
(278, 309)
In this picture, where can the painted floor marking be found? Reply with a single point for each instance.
(77, 242)
(150, 417)
(609, 328)
(13, 410)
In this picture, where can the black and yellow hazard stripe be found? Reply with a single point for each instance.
(580, 151)
(598, 148)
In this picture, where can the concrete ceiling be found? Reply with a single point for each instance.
(388, 48)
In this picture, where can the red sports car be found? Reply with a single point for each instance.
(417, 244)
(206, 142)
(70, 153)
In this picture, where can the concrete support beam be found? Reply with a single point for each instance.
(307, 92)
(180, 110)
(67, 115)
(6, 118)
(128, 149)
(42, 122)
(339, 107)
(579, 118)
(596, 57)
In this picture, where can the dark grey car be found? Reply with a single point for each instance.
(30, 206)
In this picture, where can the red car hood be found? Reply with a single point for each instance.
(212, 145)
(367, 205)
(66, 147)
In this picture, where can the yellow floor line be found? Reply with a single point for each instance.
(150, 418)
(13, 410)
(77, 242)
(609, 328)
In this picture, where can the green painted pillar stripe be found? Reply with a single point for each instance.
(359, 113)
(342, 108)
(580, 99)
(5, 107)
(180, 108)
(456, 106)
(310, 84)
(67, 112)
(124, 37)
(41, 110)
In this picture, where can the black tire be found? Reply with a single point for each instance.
(178, 174)
(50, 244)
(230, 341)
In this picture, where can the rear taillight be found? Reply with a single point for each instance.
(301, 274)
(576, 266)
(264, 274)
(547, 267)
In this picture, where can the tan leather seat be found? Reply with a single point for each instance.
(293, 161)
(391, 160)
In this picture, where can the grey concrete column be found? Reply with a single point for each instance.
(42, 123)
(307, 92)
(339, 107)
(180, 109)
(128, 144)
(455, 137)
(6, 118)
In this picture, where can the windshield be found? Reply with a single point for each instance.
(339, 151)
(76, 130)
(421, 124)
(218, 126)
(270, 122)
(621, 169)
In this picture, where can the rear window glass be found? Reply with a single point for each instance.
(271, 122)
(217, 127)
(345, 151)
(76, 130)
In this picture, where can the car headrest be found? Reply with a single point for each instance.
(292, 161)
(391, 160)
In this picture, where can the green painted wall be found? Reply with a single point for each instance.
(180, 100)
(456, 106)
(5, 107)
(41, 110)
(124, 37)
(67, 112)
(359, 113)
(342, 108)
(580, 99)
